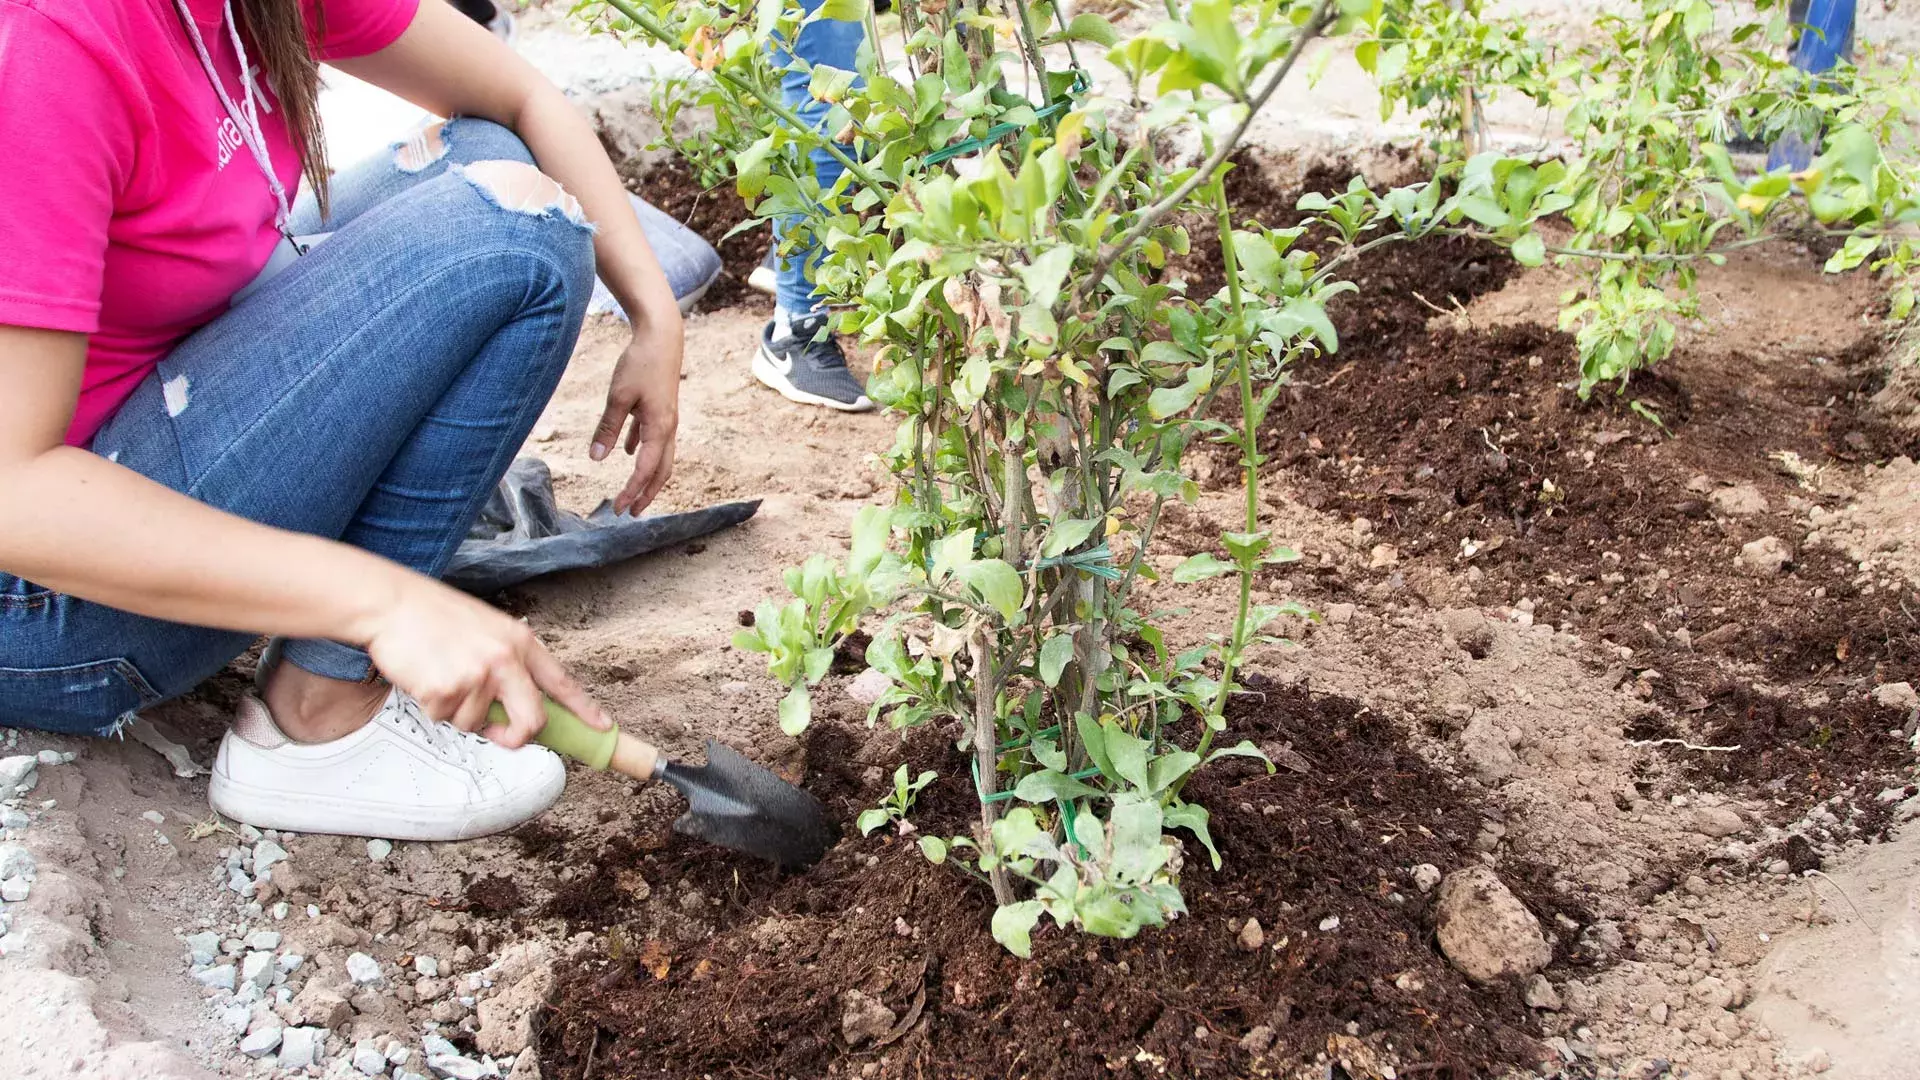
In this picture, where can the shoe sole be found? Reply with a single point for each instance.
(268, 808)
(768, 374)
(764, 280)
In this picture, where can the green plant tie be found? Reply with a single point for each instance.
(1000, 131)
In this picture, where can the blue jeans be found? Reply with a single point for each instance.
(373, 391)
(834, 43)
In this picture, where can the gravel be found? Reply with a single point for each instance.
(427, 966)
(204, 946)
(300, 1047)
(261, 1043)
(17, 861)
(368, 1059)
(378, 850)
(364, 970)
(220, 978)
(266, 854)
(17, 775)
(257, 969)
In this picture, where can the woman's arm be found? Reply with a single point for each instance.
(449, 65)
(74, 522)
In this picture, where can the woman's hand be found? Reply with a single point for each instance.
(457, 656)
(645, 391)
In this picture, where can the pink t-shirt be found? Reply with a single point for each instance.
(130, 210)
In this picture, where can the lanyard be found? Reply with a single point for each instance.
(245, 116)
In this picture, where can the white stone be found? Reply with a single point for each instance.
(397, 1052)
(300, 1047)
(368, 1059)
(17, 861)
(435, 1046)
(220, 978)
(866, 687)
(266, 853)
(289, 962)
(313, 911)
(257, 969)
(378, 850)
(236, 1017)
(261, 1043)
(427, 965)
(1426, 877)
(204, 946)
(456, 1067)
(154, 817)
(17, 775)
(14, 819)
(364, 970)
(264, 940)
(1897, 695)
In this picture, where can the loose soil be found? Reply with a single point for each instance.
(1322, 858)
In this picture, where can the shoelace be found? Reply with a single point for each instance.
(822, 355)
(444, 739)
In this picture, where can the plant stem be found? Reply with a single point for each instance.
(1250, 457)
(985, 737)
(801, 129)
(1321, 18)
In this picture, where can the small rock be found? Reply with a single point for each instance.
(265, 854)
(397, 1053)
(289, 962)
(1252, 937)
(1330, 923)
(1486, 748)
(1816, 1061)
(864, 1019)
(1767, 556)
(866, 687)
(1383, 556)
(1258, 1040)
(436, 1046)
(14, 889)
(300, 1047)
(153, 817)
(203, 946)
(1485, 930)
(319, 1006)
(258, 969)
(1468, 629)
(1339, 615)
(1658, 1014)
(426, 965)
(17, 862)
(364, 970)
(52, 757)
(1717, 821)
(368, 1059)
(261, 1042)
(1426, 877)
(1897, 695)
(264, 940)
(219, 978)
(1712, 993)
(1542, 995)
(1741, 500)
(13, 819)
(455, 1067)
(17, 775)
(378, 850)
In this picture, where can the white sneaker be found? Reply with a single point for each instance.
(403, 776)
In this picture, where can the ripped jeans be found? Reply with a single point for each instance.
(373, 391)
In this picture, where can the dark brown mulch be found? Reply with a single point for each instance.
(672, 186)
(760, 995)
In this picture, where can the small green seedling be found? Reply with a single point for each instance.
(897, 804)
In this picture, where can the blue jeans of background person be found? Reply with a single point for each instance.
(1825, 39)
(833, 43)
(373, 391)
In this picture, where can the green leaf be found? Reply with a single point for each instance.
(1054, 657)
(1043, 276)
(1246, 548)
(842, 10)
(1193, 819)
(1243, 748)
(870, 530)
(1048, 785)
(1013, 927)
(1530, 250)
(1166, 352)
(751, 168)
(1201, 567)
(749, 640)
(1172, 400)
(870, 820)
(796, 711)
(1094, 738)
(1138, 852)
(1070, 534)
(1128, 752)
(997, 583)
(1170, 768)
(934, 848)
(1087, 26)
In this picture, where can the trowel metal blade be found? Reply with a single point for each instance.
(737, 804)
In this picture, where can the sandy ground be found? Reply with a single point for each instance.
(94, 971)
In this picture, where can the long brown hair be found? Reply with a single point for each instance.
(280, 36)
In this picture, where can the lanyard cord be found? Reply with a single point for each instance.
(246, 118)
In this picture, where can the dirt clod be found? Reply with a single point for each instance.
(1485, 930)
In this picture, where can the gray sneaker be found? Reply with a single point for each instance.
(807, 366)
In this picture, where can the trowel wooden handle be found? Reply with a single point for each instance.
(569, 736)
